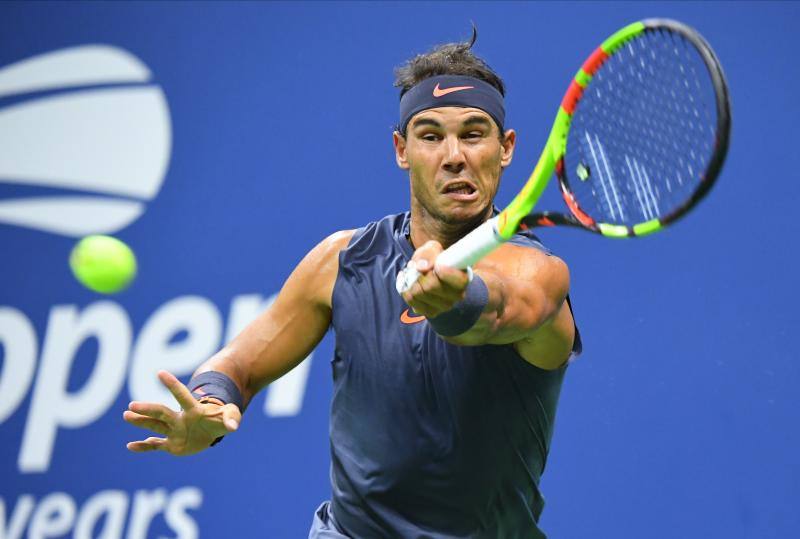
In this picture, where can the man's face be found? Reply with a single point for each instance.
(455, 157)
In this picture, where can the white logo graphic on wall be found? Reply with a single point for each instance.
(110, 144)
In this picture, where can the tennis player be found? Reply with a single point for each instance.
(444, 399)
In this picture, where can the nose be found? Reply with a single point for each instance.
(454, 160)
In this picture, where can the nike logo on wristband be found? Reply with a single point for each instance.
(439, 92)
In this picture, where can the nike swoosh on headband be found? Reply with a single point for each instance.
(437, 92)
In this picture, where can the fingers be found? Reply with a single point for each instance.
(154, 411)
(231, 417)
(437, 290)
(452, 277)
(150, 444)
(428, 298)
(178, 390)
(425, 256)
(424, 260)
(429, 303)
(426, 309)
(145, 422)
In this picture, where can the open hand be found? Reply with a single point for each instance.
(186, 432)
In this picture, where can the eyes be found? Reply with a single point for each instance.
(469, 136)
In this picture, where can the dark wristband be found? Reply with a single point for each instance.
(465, 313)
(215, 385)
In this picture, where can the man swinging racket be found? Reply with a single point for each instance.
(444, 401)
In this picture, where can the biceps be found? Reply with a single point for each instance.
(525, 307)
(550, 345)
(543, 293)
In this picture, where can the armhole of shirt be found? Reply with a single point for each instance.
(342, 262)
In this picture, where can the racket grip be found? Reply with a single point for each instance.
(462, 254)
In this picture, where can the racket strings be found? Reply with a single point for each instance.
(643, 133)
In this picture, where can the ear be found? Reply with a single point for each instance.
(508, 144)
(400, 150)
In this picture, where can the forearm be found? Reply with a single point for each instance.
(514, 310)
(281, 337)
(269, 348)
(225, 362)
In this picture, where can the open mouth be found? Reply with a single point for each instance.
(460, 189)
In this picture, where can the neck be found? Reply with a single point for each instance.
(426, 226)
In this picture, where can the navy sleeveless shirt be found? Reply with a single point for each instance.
(428, 439)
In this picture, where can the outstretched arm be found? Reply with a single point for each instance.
(265, 350)
(284, 334)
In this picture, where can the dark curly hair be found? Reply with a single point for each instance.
(447, 59)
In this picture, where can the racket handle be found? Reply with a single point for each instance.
(462, 254)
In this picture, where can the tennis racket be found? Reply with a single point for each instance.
(639, 139)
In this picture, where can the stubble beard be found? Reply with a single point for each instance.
(447, 227)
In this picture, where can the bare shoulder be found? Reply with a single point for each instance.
(338, 240)
(327, 251)
(318, 270)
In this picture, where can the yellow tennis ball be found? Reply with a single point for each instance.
(103, 264)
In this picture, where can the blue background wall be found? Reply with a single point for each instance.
(681, 418)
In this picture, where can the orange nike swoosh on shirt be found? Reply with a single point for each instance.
(410, 319)
(437, 92)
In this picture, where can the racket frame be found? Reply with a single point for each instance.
(558, 138)
(497, 230)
